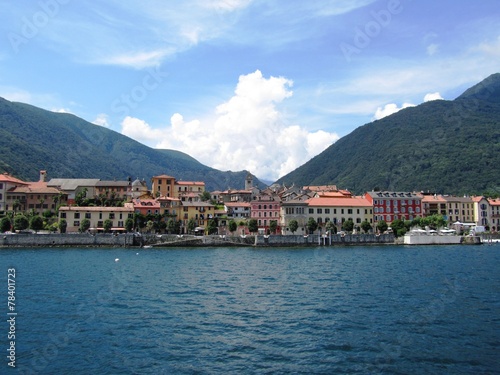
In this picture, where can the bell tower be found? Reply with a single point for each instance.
(249, 181)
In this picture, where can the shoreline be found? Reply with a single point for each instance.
(171, 240)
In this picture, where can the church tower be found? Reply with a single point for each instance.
(249, 181)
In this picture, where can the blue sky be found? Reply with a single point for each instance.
(262, 85)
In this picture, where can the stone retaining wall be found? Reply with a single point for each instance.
(317, 240)
(66, 239)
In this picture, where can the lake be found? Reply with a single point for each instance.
(320, 310)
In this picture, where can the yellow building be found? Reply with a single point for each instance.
(97, 216)
(201, 212)
(163, 185)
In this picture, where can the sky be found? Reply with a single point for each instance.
(257, 85)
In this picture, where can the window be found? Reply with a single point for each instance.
(349, 211)
(311, 210)
(76, 223)
(88, 215)
(319, 210)
(63, 215)
(111, 215)
(76, 215)
(327, 211)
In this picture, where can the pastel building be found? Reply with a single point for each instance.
(391, 205)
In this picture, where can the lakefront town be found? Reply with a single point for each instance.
(185, 208)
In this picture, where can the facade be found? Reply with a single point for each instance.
(184, 188)
(266, 208)
(118, 189)
(200, 212)
(294, 209)
(163, 185)
(494, 214)
(481, 215)
(37, 196)
(7, 184)
(237, 210)
(97, 216)
(338, 210)
(147, 207)
(454, 209)
(390, 205)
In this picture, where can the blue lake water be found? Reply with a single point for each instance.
(341, 310)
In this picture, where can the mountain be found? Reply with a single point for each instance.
(450, 147)
(33, 139)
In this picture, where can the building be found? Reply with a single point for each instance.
(200, 212)
(453, 209)
(74, 186)
(295, 208)
(97, 216)
(265, 208)
(338, 210)
(37, 196)
(481, 214)
(494, 214)
(390, 205)
(187, 188)
(237, 210)
(163, 185)
(9, 202)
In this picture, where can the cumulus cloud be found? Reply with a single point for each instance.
(248, 131)
(389, 109)
(102, 120)
(432, 96)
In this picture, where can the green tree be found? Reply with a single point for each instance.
(273, 225)
(399, 227)
(348, 225)
(293, 225)
(150, 226)
(80, 198)
(84, 225)
(21, 222)
(5, 224)
(232, 225)
(107, 225)
(253, 226)
(212, 226)
(330, 227)
(63, 224)
(171, 226)
(366, 226)
(312, 225)
(129, 224)
(36, 223)
(191, 225)
(205, 196)
(382, 226)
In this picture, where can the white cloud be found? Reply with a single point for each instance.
(390, 109)
(61, 110)
(248, 131)
(432, 49)
(102, 120)
(432, 96)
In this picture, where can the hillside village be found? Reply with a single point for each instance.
(176, 206)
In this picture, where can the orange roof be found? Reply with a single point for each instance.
(5, 177)
(339, 202)
(237, 204)
(97, 209)
(335, 194)
(189, 183)
(163, 176)
(433, 199)
(321, 188)
(494, 202)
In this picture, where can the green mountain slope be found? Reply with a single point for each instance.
(32, 139)
(443, 146)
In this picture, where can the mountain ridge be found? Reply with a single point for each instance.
(34, 139)
(442, 146)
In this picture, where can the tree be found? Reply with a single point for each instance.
(107, 225)
(253, 226)
(382, 226)
(205, 196)
(348, 225)
(80, 198)
(293, 225)
(36, 223)
(232, 225)
(171, 226)
(366, 226)
(273, 225)
(191, 225)
(5, 224)
(399, 227)
(312, 225)
(129, 224)
(21, 222)
(212, 226)
(84, 225)
(150, 225)
(330, 227)
(63, 225)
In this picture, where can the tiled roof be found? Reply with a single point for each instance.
(5, 177)
(339, 202)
